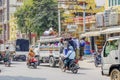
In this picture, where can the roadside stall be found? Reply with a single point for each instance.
(95, 38)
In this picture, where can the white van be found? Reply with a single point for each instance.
(111, 58)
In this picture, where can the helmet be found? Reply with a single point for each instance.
(70, 48)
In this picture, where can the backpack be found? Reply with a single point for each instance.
(82, 44)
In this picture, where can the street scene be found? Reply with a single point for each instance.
(59, 39)
(19, 71)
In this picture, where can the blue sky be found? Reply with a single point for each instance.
(100, 2)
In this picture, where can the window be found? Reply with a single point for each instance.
(110, 46)
(109, 3)
(118, 2)
(113, 2)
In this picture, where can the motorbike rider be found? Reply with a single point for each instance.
(69, 57)
(31, 55)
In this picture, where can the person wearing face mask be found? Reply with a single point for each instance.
(69, 57)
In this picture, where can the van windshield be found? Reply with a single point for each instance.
(110, 45)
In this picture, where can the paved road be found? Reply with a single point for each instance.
(19, 71)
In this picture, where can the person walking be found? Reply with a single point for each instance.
(7, 56)
(82, 44)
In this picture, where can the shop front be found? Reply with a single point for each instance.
(96, 40)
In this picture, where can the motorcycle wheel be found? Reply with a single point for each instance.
(96, 64)
(52, 62)
(35, 66)
(75, 71)
(73, 68)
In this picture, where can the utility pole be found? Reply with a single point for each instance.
(84, 26)
(59, 22)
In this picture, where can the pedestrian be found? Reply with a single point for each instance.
(77, 50)
(82, 45)
(7, 55)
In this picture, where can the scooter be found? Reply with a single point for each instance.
(97, 59)
(32, 63)
(73, 66)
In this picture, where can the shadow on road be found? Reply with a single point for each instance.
(76, 73)
(19, 78)
(46, 65)
(81, 68)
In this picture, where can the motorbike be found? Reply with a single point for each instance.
(19, 58)
(32, 63)
(97, 59)
(73, 66)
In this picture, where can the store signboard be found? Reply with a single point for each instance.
(72, 28)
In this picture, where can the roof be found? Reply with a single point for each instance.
(92, 33)
(111, 30)
(114, 38)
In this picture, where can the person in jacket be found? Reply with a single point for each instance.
(69, 57)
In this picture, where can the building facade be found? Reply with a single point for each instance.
(75, 11)
(4, 19)
(111, 3)
(7, 9)
(14, 33)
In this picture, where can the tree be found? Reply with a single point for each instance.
(37, 15)
(22, 15)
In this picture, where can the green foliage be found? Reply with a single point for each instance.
(37, 15)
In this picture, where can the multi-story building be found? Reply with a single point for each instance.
(75, 9)
(4, 18)
(7, 9)
(111, 3)
(14, 4)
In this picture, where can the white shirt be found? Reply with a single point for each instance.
(71, 53)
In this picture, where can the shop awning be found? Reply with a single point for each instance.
(92, 33)
(111, 30)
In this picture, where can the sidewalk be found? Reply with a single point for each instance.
(88, 62)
